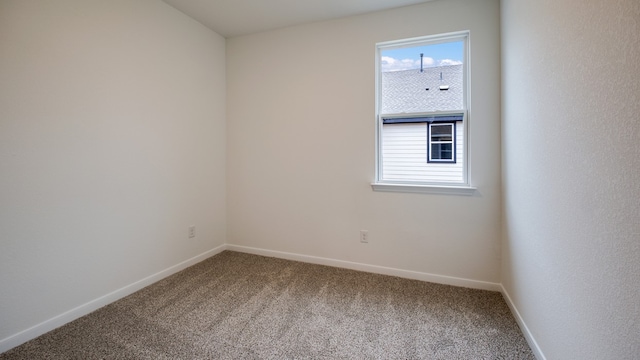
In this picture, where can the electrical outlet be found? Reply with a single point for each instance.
(364, 236)
(192, 231)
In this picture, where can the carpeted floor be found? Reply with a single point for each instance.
(241, 306)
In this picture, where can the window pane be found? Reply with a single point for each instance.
(412, 83)
(441, 152)
(442, 132)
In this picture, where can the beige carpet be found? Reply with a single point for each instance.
(240, 306)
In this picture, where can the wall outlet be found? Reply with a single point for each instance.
(364, 236)
(192, 231)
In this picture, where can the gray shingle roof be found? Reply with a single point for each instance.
(405, 91)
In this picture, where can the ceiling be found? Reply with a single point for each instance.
(231, 18)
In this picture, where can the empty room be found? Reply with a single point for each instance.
(337, 179)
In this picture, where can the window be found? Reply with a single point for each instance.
(422, 116)
(441, 143)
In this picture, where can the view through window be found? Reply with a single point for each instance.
(422, 112)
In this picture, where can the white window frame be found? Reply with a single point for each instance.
(457, 188)
(452, 126)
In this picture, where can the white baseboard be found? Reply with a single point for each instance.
(533, 344)
(408, 274)
(84, 309)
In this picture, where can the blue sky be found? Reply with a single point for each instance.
(434, 55)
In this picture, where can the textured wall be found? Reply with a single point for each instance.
(301, 122)
(112, 142)
(571, 150)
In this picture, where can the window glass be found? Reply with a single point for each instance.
(441, 142)
(422, 110)
(415, 83)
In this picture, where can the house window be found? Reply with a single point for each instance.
(422, 116)
(442, 142)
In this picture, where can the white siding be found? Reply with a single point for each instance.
(404, 155)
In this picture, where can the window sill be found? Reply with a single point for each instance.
(425, 189)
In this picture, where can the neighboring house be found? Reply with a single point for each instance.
(422, 148)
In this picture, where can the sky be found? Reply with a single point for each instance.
(434, 55)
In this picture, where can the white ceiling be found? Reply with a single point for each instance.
(231, 18)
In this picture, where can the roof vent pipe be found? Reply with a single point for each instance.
(421, 57)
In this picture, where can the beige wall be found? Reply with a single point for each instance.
(112, 142)
(300, 133)
(571, 162)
